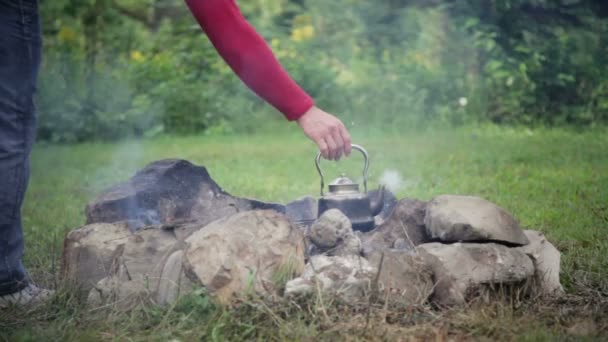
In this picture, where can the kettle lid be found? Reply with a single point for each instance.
(343, 184)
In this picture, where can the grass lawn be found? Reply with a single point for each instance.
(555, 181)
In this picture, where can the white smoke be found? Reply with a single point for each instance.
(392, 180)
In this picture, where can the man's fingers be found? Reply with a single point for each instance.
(346, 139)
(332, 147)
(327, 131)
(335, 143)
(340, 148)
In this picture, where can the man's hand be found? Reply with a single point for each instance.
(327, 131)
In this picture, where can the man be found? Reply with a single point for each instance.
(20, 47)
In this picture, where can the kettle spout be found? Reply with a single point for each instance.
(377, 203)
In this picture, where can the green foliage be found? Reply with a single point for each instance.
(120, 68)
(542, 62)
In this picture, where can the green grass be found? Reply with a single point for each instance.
(555, 181)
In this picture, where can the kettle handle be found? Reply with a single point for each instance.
(365, 166)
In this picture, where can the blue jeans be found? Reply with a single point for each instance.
(20, 45)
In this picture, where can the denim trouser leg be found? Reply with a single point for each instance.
(20, 43)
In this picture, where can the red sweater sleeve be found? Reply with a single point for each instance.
(249, 56)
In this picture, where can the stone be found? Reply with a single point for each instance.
(404, 229)
(243, 253)
(120, 293)
(350, 246)
(144, 254)
(89, 253)
(100, 258)
(133, 283)
(124, 288)
(401, 244)
(405, 279)
(330, 229)
(172, 282)
(332, 234)
(347, 277)
(546, 260)
(166, 192)
(463, 270)
(451, 218)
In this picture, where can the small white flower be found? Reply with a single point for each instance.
(510, 81)
(463, 101)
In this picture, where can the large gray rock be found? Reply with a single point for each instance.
(244, 253)
(546, 260)
(404, 279)
(464, 270)
(110, 263)
(404, 229)
(172, 282)
(452, 218)
(166, 192)
(89, 253)
(123, 291)
(147, 267)
(144, 254)
(347, 277)
(120, 293)
(333, 234)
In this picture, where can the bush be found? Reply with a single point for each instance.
(388, 64)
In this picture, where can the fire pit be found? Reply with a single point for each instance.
(171, 228)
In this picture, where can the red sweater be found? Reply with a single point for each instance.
(249, 56)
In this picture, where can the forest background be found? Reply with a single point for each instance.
(140, 68)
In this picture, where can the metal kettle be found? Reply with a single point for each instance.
(344, 195)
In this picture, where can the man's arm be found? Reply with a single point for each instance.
(250, 57)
